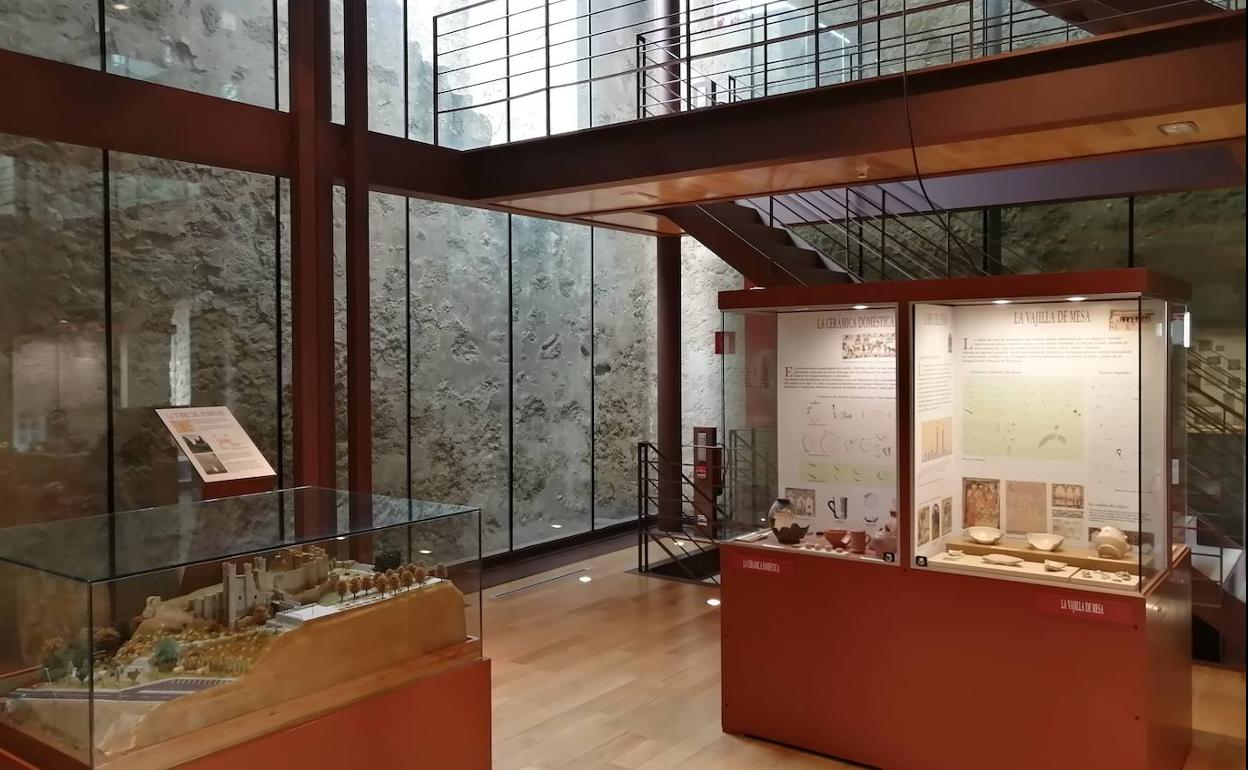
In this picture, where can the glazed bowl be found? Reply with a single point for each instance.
(790, 535)
(1044, 541)
(985, 535)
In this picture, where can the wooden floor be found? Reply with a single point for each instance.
(623, 673)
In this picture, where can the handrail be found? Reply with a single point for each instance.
(708, 34)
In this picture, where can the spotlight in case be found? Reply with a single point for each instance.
(713, 602)
(585, 579)
(1000, 302)
(860, 307)
(1181, 128)
(1075, 299)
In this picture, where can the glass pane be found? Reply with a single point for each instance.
(66, 31)
(46, 666)
(624, 368)
(551, 487)
(225, 48)
(195, 299)
(386, 39)
(388, 316)
(1094, 235)
(1035, 468)
(460, 357)
(53, 369)
(1154, 482)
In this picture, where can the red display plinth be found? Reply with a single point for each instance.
(909, 669)
(440, 722)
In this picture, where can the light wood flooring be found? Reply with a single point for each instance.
(622, 673)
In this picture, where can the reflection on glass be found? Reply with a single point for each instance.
(194, 314)
(65, 31)
(222, 48)
(53, 404)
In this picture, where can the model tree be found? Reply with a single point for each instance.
(340, 588)
(420, 574)
(354, 587)
(107, 641)
(388, 559)
(54, 658)
(406, 578)
(440, 572)
(165, 654)
(259, 615)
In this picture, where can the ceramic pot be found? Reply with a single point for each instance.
(1111, 543)
(857, 541)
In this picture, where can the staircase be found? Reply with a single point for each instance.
(765, 254)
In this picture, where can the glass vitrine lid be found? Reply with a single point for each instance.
(106, 547)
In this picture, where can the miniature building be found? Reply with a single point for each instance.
(293, 570)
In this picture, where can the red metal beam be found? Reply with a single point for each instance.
(63, 103)
(312, 264)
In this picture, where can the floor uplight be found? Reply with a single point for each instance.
(713, 602)
(585, 579)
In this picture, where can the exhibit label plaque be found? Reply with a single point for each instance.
(758, 563)
(215, 443)
(1087, 606)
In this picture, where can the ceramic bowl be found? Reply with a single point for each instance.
(1054, 566)
(790, 535)
(1044, 541)
(985, 535)
(836, 536)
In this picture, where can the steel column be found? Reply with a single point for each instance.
(667, 310)
(359, 329)
(312, 264)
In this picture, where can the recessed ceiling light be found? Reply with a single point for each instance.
(556, 526)
(1181, 128)
(120, 7)
(1075, 299)
(860, 307)
(425, 551)
(585, 579)
(1000, 302)
(341, 538)
(713, 602)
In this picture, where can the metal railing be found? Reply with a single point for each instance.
(531, 57)
(687, 534)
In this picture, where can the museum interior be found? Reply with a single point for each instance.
(622, 384)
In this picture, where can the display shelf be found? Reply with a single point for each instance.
(1085, 558)
(808, 546)
(1089, 579)
(1028, 571)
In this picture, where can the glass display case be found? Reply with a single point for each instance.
(811, 420)
(149, 638)
(1040, 431)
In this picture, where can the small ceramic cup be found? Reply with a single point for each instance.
(858, 541)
